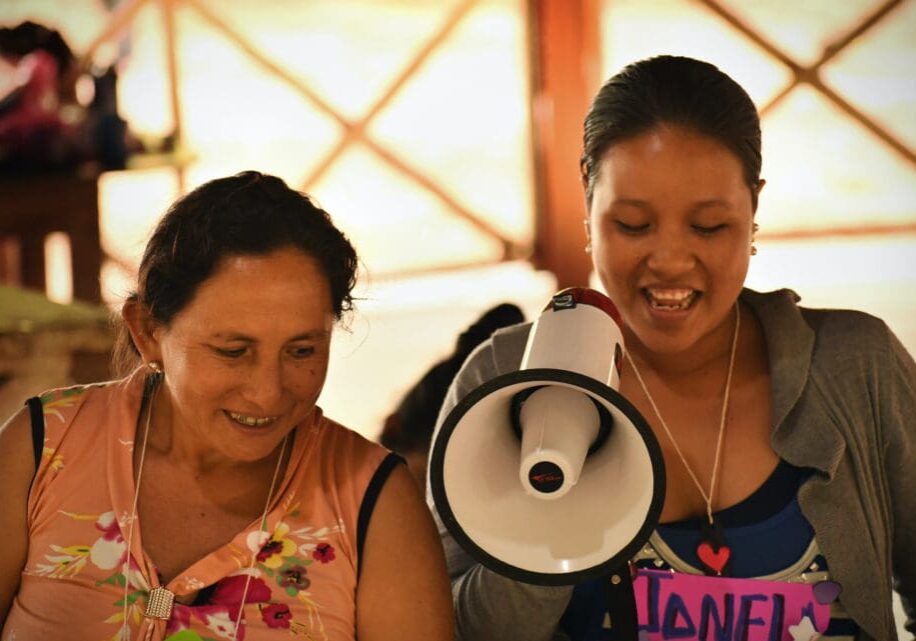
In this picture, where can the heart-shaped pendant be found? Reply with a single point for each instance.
(715, 559)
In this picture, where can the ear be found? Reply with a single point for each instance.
(143, 330)
(583, 176)
(755, 196)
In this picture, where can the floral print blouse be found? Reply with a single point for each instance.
(78, 583)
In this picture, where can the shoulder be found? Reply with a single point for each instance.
(509, 343)
(63, 401)
(858, 357)
(17, 465)
(833, 324)
(345, 459)
(417, 605)
(344, 440)
(338, 475)
(846, 337)
(500, 353)
(839, 333)
(70, 409)
(16, 461)
(845, 359)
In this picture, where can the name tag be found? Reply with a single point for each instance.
(708, 608)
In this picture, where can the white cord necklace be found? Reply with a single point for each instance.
(716, 557)
(159, 605)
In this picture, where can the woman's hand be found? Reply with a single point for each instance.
(403, 592)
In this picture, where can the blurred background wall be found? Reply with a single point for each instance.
(443, 136)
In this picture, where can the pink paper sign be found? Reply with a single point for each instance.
(707, 608)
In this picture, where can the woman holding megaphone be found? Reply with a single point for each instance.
(787, 433)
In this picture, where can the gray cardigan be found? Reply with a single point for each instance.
(843, 404)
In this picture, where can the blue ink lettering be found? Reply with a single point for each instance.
(744, 616)
(673, 608)
(808, 611)
(652, 591)
(723, 629)
(777, 619)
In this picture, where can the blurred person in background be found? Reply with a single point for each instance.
(205, 495)
(43, 125)
(41, 74)
(788, 433)
(408, 430)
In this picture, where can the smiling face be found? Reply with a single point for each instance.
(670, 226)
(246, 358)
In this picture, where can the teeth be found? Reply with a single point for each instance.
(676, 295)
(252, 421)
(670, 299)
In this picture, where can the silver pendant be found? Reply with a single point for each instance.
(159, 605)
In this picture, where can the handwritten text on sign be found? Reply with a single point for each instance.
(706, 608)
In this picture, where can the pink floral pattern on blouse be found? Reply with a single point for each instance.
(78, 581)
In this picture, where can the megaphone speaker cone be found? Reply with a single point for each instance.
(558, 426)
(478, 479)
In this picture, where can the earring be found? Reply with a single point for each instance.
(155, 366)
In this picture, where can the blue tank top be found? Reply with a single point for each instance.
(769, 538)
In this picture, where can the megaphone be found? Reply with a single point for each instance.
(547, 475)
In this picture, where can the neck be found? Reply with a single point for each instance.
(708, 496)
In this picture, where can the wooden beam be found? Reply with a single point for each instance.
(359, 127)
(36, 205)
(122, 17)
(451, 204)
(810, 74)
(271, 67)
(565, 67)
(849, 231)
(168, 8)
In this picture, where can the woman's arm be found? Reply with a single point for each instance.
(403, 592)
(898, 415)
(17, 465)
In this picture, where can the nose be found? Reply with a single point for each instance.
(670, 255)
(265, 385)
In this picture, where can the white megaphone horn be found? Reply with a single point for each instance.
(547, 474)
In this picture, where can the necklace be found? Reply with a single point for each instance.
(159, 604)
(712, 550)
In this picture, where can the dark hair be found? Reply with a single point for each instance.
(678, 91)
(29, 36)
(246, 214)
(410, 427)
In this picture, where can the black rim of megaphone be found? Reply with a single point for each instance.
(613, 564)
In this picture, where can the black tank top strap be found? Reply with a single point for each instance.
(38, 427)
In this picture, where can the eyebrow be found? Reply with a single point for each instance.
(317, 334)
(644, 205)
(712, 202)
(632, 202)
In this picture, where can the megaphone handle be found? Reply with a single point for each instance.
(622, 605)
